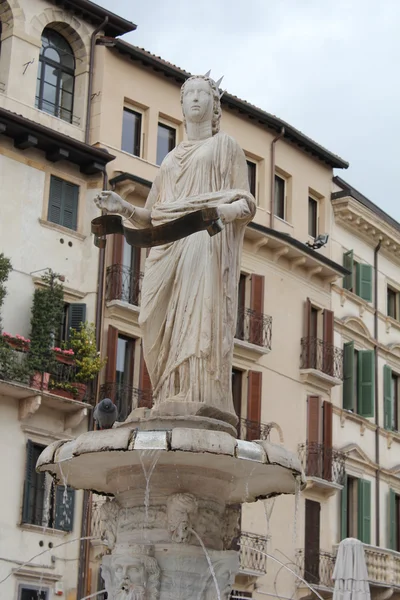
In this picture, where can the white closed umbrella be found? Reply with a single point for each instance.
(350, 573)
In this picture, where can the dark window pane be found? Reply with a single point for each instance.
(395, 396)
(279, 197)
(391, 303)
(124, 376)
(252, 173)
(52, 54)
(28, 593)
(49, 94)
(166, 139)
(312, 217)
(51, 74)
(131, 131)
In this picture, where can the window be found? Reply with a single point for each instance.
(279, 197)
(250, 325)
(29, 592)
(237, 379)
(356, 509)
(390, 399)
(131, 131)
(166, 141)
(124, 376)
(358, 381)
(239, 595)
(312, 217)
(359, 280)
(392, 303)
(55, 80)
(312, 541)
(63, 203)
(252, 175)
(45, 503)
(394, 521)
(73, 315)
(131, 274)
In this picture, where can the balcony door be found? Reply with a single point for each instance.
(124, 376)
(131, 270)
(311, 541)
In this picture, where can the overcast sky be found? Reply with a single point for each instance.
(328, 67)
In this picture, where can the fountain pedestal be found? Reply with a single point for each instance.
(173, 491)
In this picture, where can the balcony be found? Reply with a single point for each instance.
(126, 397)
(124, 284)
(253, 336)
(316, 568)
(320, 362)
(252, 430)
(323, 466)
(252, 558)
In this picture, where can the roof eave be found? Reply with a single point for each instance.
(96, 14)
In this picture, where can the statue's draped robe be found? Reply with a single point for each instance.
(189, 294)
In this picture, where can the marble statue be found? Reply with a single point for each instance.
(190, 287)
(181, 512)
(132, 575)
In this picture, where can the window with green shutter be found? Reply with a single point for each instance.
(365, 383)
(364, 511)
(387, 397)
(348, 376)
(64, 508)
(348, 263)
(63, 203)
(364, 281)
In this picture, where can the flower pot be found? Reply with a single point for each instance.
(81, 387)
(62, 393)
(66, 360)
(17, 346)
(40, 381)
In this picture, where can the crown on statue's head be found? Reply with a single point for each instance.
(217, 83)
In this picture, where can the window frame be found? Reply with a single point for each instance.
(396, 296)
(251, 164)
(65, 182)
(168, 127)
(284, 200)
(311, 199)
(32, 587)
(132, 109)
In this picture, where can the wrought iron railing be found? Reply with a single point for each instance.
(126, 397)
(319, 460)
(57, 111)
(319, 355)
(123, 283)
(252, 556)
(253, 430)
(316, 567)
(254, 327)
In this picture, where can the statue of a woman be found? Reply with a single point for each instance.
(189, 294)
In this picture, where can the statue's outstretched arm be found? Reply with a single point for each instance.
(113, 203)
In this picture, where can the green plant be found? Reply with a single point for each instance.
(47, 311)
(5, 268)
(13, 365)
(87, 359)
(63, 385)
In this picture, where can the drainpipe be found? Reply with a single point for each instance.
(84, 551)
(376, 334)
(272, 194)
(91, 73)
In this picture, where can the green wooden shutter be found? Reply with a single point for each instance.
(387, 397)
(348, 261)
(365, 383)
(54, 213)
(348, 376)
(70, 205)
(392, 520)
(76, 316)
(29, 470)
(364, 282)
(343, 509)
(364, 511)
(64, 510)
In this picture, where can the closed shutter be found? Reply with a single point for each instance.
(64, 509)
(54, 213)
(312, 541)
(111, 366)
(392, 521)
(314, 456)
(254, 392)
(387, 397)
(307, 342)
(29, 471)
(146, 390)
(364, 282)
(327, 468)
(257, 308)
(70, 205)
(364, 511)
(348, 376)
(343, 509)
(328, 352)
(348, 263)
(76, 316)
(366, 379)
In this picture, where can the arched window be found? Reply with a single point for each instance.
(55, 82)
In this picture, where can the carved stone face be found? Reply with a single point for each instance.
(130, 579)
(197, 101)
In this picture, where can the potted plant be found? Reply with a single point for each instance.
(47, 311)
(17, 342)
(66, 356)
(87, 358)
(64, 389)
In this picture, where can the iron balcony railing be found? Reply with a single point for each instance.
(126, 397)
(252, 557)
(123, 283)
(318, 354)
(319, 460)
(316, 567)
(254, 327)
(253, 430)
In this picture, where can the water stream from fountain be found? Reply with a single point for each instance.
(210, 565)
(94, 595)
(153, 455)
(296, 509)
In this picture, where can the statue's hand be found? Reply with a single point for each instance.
(109, 201)
(227, 213)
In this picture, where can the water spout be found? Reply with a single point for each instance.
(209, 562)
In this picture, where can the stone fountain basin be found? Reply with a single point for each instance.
(111, 462)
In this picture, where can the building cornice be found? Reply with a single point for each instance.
(95, 14)
(56, 146)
